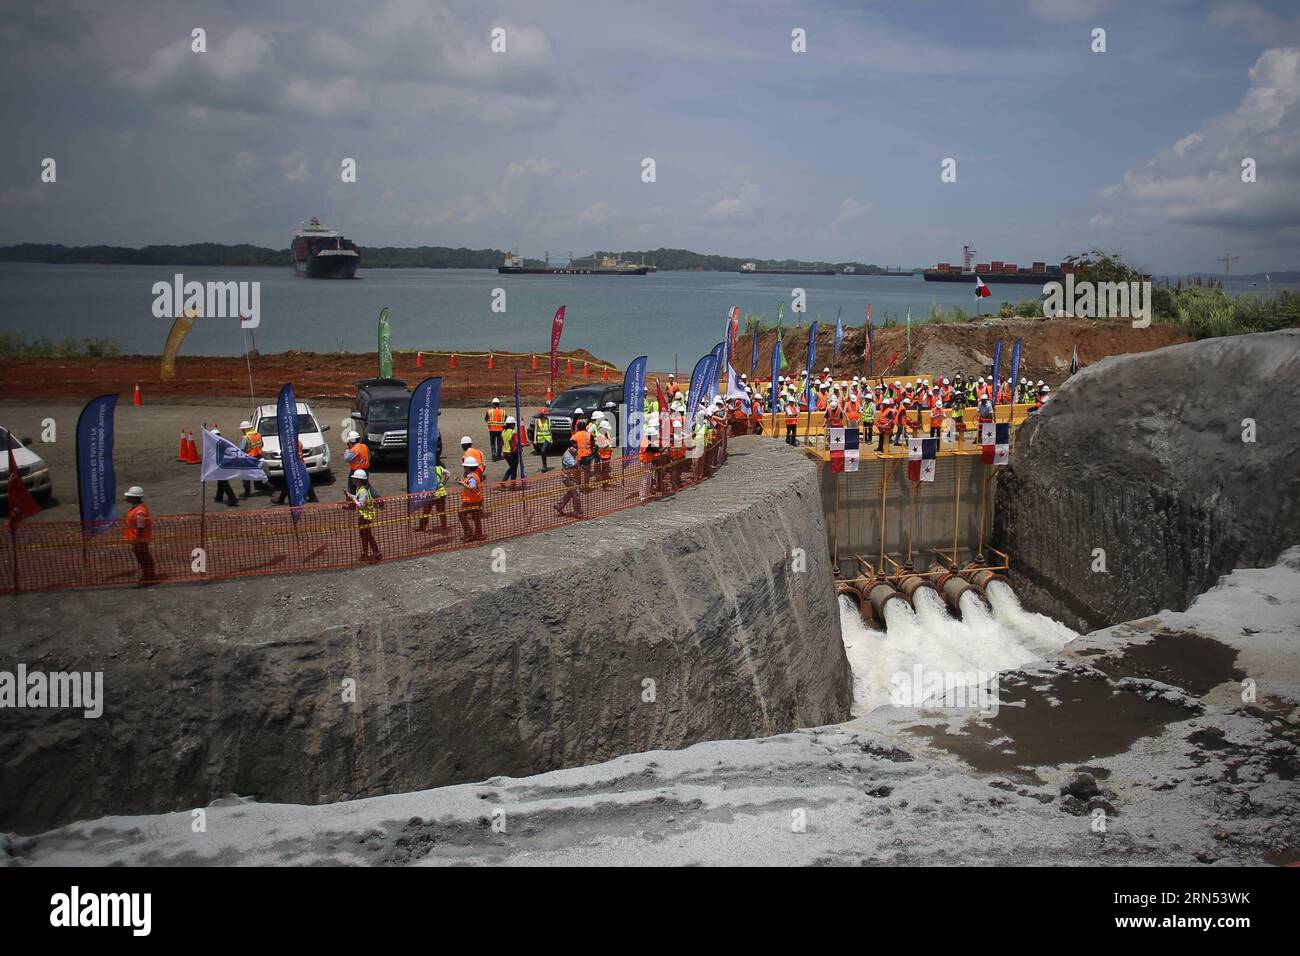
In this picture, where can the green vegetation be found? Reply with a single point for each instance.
(1208, 312)
(15, 346)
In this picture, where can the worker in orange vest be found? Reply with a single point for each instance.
(467, 450)
(137, 531)
(496, 423)
(834, 415)
(358, 458)
(936, 419)
(884, 423)
(791, 420)
(470, 511)
(582, 438)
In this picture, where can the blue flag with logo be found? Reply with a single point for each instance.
(96, 481)
(997, 367)
(715, 369)
(1015, 367)
(812, 362)
(296, 479)
(776, 373)
(753, 362)
(422, 441)
(839, 335)
(634, 403)
(696, 388)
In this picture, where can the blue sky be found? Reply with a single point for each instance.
(834, 153)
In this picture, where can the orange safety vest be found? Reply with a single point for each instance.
(254, 444)
(473, 453)
(853, 413)
(936, 416)
(496, 418)
(362, 459)
(834, 417)
(582, 439)
(885, 420)
(139, 526)
(472, 493)
(791, 413)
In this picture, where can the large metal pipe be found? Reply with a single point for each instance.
(911, 583)
(982, 577)
(952, 586)
(856, 594)
(880, 594)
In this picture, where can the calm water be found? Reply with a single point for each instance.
(663, 315)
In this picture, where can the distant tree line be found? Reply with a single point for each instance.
(218, 254)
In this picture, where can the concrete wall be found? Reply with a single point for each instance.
(462, 672)
(1172, 467)
(945, 508)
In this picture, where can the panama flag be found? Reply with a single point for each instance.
(921, 458)
(995, 442)
(851, 449)
(981, 290)
(836, 436)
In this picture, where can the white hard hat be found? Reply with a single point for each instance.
(897, 382)
(468, 462)
(510, 419)
(835, 403)
(1047, 388)
(743, 375)
(607, 425)
(578, 411)
(353, 436)
(855, 378)
(466, 440)
(245, 426)
(215, 430)
(1040, 381)
(597, 416)
(496, 401)
(826, 371)
(360, 474)
(945, 381)
(135, 491)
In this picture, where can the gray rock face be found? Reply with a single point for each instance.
(1148, 457)
(462, 671)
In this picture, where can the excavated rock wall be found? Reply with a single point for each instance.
(1167, 468)
(682, 621)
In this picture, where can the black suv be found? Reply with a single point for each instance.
(590, 398)
(379, 411)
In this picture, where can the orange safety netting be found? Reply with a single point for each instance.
(53, 554)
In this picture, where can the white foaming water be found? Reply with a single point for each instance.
(941, 644)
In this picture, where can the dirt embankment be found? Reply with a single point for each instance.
(315, 375)
(948, 348)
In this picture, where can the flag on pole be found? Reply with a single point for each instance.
(222, 461)
(1074, 360)
(385, 345)
(422, 442)
(909, 330)
(521, 436)
(634, 403)
(981, 290)
(557, 328)
(753, 362)
(839, 335)
(869, 343)
(21, 502)
(776, 373)
(921, 458)
(296, 479)
(734, 389)
(997, 370)
(96, 480)
(780, 317)
(1015, 366)
(812, 362)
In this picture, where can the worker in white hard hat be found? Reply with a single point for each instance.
(604, 443)
(367, 503)
(470, 510)
(511, 447)
(496, 423)
(357, 456)
(1044, 394)
(467, 450)
(581, 435)
(250, 445)
(137, 532)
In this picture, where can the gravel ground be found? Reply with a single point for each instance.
(147, 436)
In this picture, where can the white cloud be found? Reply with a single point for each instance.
(1069, 11)
(1197, 181)
(743, 209)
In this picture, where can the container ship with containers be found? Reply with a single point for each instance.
(993, 272)
(319, 252)
(604, 266)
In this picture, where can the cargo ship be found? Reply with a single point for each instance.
(750, 268)
(993, 272)
(319, 252)
(605, 266)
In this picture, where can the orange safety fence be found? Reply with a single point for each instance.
(54, 555)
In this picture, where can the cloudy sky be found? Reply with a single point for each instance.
(834, 153)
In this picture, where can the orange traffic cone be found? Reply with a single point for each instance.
(492, 360)
(586, 372)
(534, 361)
(453, 359)
(569, 365)
(137, 400)
(183, 450)
(548, 394)
(419, 360)
(193, 451)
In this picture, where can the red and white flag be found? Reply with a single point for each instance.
(21, 502)
(981, 290)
